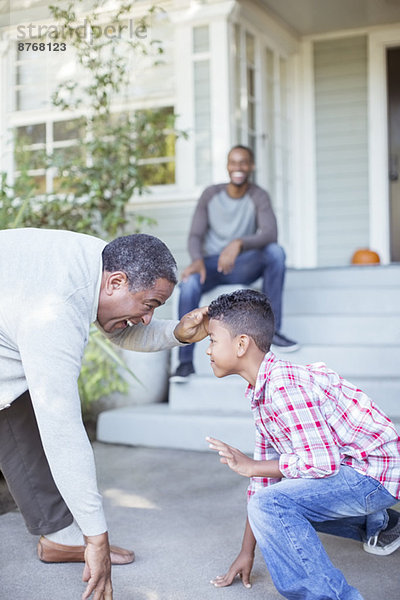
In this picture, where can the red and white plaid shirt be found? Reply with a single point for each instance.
(313, 421)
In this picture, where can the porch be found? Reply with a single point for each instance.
(347, 317)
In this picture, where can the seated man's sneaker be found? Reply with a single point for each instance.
(182, 373)
(388, 540)
(50, 552)
(284, 344)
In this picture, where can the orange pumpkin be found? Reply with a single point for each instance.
(365, 256)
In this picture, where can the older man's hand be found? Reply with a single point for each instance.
(193, 326)
(97, 571)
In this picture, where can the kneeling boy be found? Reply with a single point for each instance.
(332, 455)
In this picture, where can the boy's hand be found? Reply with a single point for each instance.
(234, 458)
(241, 566)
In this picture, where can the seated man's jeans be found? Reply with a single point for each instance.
(284, 518)
(268, 263)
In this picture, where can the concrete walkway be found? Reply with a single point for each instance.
(183, 514)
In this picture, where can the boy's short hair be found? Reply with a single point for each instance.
(246, 312)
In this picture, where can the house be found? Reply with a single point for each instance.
(313, 86)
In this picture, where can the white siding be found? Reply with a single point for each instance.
(340, 68)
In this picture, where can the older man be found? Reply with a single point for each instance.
(54, 285)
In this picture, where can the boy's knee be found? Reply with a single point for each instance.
(264, 513)
(260, 502)
(269, 501)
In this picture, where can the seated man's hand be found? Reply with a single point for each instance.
(193, 326)
(197, 266)
(228, 256)
(97, 571)
(241, 566)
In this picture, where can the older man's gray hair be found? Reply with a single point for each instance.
(143, 258)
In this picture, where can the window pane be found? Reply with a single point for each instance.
(40, 184)
(201, 42)
(68, 130)
(250, 83)
(158, 174)
(202, 120)
(67, 154)
(250, 48)
(32, 134)
(158, 152)
(30, 160)
(39, 72)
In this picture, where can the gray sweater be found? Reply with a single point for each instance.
(50, 283)
(218, 219)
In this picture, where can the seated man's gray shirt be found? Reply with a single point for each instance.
(218, 219)
(50, 284)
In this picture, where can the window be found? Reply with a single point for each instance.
(245, 87)
(262, 116)
(40, 133)
(157, 166)
(251, 91)
(34, 143)
(276, 138)
(61, 140)
(38, 73)
(202, 103)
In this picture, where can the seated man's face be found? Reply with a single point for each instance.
(120, 308)
(240, 166)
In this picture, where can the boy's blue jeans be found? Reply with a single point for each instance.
(284, 518)
(268, 263)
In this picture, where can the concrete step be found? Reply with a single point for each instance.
(157, 425)
(372, 330)
(341, 301)
(349, 361)
(384, 391)
(350, 277)
(183, 426)
(203, 393)
(208, 393)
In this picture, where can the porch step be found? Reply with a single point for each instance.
(345, 330)
(157, 425)
(353, 360)
(354, 276)
(348, 318)
(202, 394)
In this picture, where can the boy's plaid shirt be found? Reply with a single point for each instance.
(313, 421)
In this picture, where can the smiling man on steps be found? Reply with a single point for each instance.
(233, 239)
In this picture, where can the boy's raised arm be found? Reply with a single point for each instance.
(242, 564)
